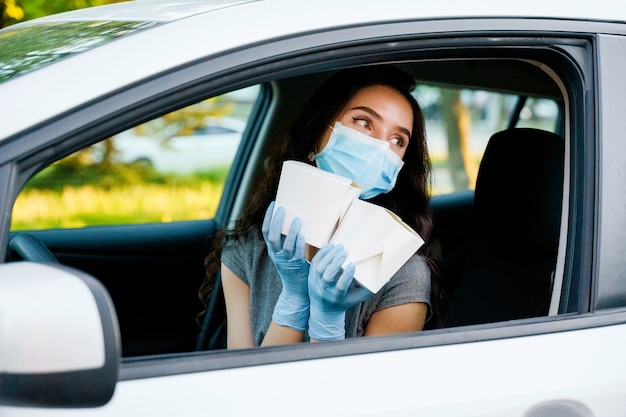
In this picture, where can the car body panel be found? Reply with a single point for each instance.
(492, 382)
(478, 379)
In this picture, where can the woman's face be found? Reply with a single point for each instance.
(380, 112)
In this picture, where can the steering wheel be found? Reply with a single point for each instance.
(30, 248)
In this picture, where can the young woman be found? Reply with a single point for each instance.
(364, 124)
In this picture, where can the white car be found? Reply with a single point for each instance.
(101, 320)
(212, 144)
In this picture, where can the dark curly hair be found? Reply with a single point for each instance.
(409, 199)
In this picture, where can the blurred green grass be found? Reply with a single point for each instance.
(72, 197)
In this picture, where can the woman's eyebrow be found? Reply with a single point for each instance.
(373, 113)
(369, 110)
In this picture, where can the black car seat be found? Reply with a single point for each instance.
(507, 272)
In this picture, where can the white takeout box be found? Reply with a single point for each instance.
(318, 197)
(376, 240)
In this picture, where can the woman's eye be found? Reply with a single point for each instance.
(364, 123)
(399, 142)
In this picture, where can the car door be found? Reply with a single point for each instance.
(567, 362)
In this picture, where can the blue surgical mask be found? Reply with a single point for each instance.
(369, 162)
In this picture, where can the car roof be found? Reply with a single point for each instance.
(188, 31)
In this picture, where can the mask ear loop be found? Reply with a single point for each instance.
(311, 155)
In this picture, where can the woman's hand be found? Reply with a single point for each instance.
(292, 307)
(332, 292)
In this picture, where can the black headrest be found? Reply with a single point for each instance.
(519, 192)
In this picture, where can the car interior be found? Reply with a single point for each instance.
(498, 237)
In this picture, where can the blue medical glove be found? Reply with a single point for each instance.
(292, 307)
(332, 292)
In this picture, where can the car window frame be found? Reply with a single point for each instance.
(66, 133)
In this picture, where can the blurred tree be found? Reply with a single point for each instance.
(458, 124)
(9, 12)
(13, 11)
(186, 121)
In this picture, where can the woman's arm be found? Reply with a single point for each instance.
(281, 335)
(403, 318)
(237, 298)
(239, 333)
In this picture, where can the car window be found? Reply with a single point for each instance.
(171, 168)
(460, 121)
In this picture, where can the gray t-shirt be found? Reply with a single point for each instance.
(248, 260)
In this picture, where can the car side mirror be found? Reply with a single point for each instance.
(59, 338)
